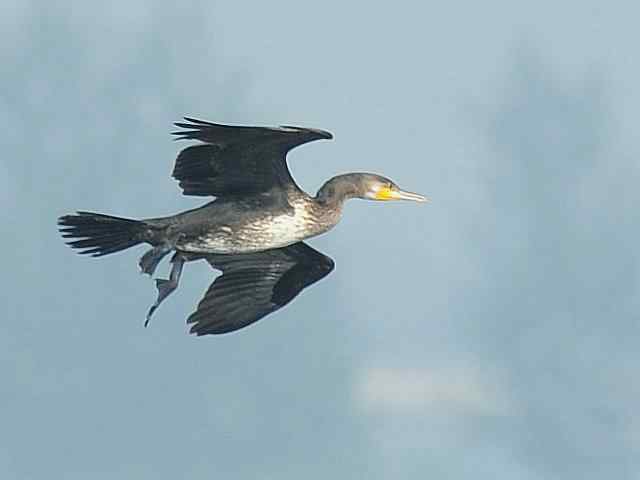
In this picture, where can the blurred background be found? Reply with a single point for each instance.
(490, 334)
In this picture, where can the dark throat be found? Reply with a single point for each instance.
(336, 190)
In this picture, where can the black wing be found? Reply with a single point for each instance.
(253, 285)
(234, 159)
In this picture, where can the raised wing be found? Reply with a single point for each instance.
(236, 160)
(255, 284)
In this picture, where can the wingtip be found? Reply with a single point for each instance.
(318, 132)
(191, 129)
(196, 120)
(323, 134)
(193, 330)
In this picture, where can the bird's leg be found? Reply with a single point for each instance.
(166, 287)
(150, 260)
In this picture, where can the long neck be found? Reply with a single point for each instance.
(337, 189)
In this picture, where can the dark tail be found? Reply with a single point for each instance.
(99, 234)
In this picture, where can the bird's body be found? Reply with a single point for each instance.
(252, 230)
(248, 224)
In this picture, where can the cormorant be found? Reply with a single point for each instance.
(253, 229)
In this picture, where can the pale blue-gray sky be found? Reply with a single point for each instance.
(491, 334)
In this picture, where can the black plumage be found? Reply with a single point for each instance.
(253, 285)
(237, 160)
(252, 230)
(100, 234)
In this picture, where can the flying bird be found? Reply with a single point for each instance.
(252, 230)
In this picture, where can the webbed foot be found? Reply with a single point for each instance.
(150, 260)
(166, 287)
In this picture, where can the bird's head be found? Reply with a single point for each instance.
(368, 186)
(371, 186)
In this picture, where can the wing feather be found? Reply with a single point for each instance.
(236, 159)
(254, 285)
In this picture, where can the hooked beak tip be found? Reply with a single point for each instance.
(414, 197)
